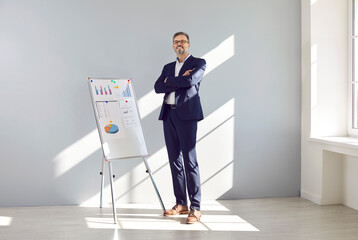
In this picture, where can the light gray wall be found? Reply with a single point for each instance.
(49, 48)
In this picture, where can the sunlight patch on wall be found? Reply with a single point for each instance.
(220, 54)
(216, 148)
(76, 153)
(219, 116)
(149, 103)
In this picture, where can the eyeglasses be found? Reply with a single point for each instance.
(181, 41)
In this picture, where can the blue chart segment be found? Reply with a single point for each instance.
(111, 128)
(127, 92)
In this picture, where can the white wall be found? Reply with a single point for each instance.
(249, 143)
(329, 67)
(349, 181)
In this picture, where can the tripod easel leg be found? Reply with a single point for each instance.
(113, 200)
(155, 186)
(102, 181)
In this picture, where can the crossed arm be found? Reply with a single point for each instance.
(160, 85)
(189, 78)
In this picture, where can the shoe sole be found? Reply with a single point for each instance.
(180, 213)
(193, 222)
(198, 220)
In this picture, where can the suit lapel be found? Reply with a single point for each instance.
(185, 65)
(172, 69)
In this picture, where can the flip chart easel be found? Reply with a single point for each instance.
(119, 127)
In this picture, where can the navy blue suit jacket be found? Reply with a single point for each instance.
(186, 88)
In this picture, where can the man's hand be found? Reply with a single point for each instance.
(187, 73)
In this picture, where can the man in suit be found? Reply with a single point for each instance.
(181, 111)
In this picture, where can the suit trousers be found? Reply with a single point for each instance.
(180, 140)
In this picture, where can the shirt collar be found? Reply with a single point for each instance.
(184, 59)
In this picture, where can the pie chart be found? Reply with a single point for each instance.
(111, 128)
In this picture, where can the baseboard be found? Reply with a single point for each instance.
(313, 198)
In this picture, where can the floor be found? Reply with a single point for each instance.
(278, 218)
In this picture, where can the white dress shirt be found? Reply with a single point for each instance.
(171, 97)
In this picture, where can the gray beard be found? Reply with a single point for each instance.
(180, 52)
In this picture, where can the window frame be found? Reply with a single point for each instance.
(351, 130)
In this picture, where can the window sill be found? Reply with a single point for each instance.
(345, 145)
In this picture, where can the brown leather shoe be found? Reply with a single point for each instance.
(193, 217)
(177, 209)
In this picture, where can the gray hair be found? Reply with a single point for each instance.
(181, 33)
